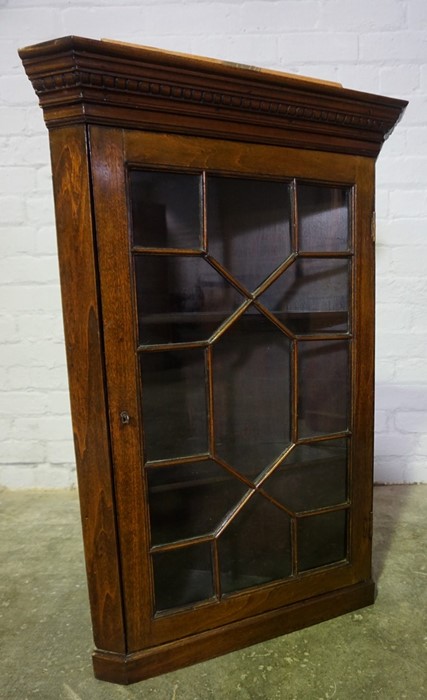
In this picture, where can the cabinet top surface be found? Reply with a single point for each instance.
(107, 82)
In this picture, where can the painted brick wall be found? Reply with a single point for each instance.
(373, 46)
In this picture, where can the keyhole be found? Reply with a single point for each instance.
(124, 417)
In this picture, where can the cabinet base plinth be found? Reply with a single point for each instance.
(138, 666)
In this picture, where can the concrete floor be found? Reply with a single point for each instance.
(378, 652)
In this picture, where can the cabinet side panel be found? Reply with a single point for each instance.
(363, 370)
(86, 378)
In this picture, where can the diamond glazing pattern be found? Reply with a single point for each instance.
(220, 275)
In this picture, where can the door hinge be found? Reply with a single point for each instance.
(373, 228)
(368, 526)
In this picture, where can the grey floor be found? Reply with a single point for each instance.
(378, 652)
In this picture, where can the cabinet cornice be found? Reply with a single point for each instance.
(81, 80)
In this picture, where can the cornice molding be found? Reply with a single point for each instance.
(112, 83)
(80, 80)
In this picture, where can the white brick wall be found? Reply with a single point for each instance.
(373, 46)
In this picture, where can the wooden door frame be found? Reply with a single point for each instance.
(111, 151)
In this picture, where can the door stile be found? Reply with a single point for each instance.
(109, 185)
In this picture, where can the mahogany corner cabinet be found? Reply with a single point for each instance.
(216, 247)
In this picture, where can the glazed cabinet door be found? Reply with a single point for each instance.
(237, 303)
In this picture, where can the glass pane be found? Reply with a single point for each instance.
(174, 403)
(248, 225)
(251, 371)
(256, 547)
(322, 539)
(323, 218)
(180, 298)
(313, 476)
(166, 209)
(183, 576)
(323, 387)
(190, 499)
(311, 296)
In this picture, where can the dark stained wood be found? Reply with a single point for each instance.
(206, 645)
(110, 149)
(144, 108)
(123, 392)
(83, 339)
(363, 366)
(102, 82)
(169, 151)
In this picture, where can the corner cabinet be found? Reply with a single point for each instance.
(215, 238)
